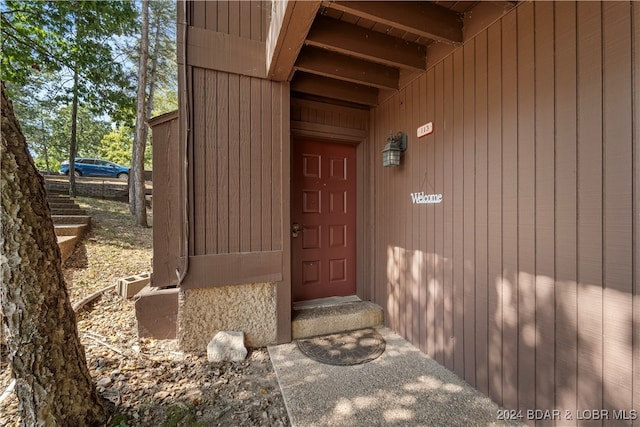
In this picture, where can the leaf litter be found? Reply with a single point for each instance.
(148, 382)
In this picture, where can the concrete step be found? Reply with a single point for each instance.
(332, 315)
(71, 229)
(68, 211)
(59, 199)
(67, 244)
(157, 312)
(64, 205)
(71, 219)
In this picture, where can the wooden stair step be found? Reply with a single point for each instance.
(71, 219)
(70, 229)
(68, 211)
(57, 203)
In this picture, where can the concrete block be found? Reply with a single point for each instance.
(227, 345)
(129, 286)
(157, 312)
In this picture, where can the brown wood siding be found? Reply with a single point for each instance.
(494, 202)
(236, 127)
(481, 217)
(544, 192)
(167, 209)
(565, 212)
(246, 19)
(429, 261)
(617, 212)
(326, 118)
(526, 206)
(238, 136)
(227, 36)
(635, 41)
(589, 248)
(235, 164)
(524, 280)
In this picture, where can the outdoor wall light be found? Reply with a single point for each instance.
(396, 145)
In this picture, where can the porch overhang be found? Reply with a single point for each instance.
(361, 52)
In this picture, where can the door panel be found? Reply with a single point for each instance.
(323, 204)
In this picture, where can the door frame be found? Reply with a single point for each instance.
(324, 216)
(332, 134)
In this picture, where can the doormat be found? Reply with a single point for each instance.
(345, 348)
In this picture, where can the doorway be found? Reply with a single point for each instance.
(323, 217)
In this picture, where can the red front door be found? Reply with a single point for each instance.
(323, 211)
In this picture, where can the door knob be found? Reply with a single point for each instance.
(295, 229)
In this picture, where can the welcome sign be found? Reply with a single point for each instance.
(422, 198)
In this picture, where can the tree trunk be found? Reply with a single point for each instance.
(73, 145)
(53, 384)
(153, 69)
(45, 145)
(140, 203)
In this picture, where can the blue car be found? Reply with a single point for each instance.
(95, 167)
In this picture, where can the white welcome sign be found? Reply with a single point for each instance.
(421, 198)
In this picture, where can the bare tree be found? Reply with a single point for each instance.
(53, 384)
(139, 202)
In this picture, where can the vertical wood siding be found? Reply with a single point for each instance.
(236, 163)
(237, 128)
(524, 280)
(235, 125)
(635, 41)
(247, 19)
(237, 135)
(167, 205)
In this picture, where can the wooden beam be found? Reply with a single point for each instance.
(233, 269)
(329, 64)
(224, 52)
(421, 18)
(326, 131)
(336, 89)
(290, 23)
(372, 46)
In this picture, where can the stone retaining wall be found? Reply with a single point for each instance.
(89, 187)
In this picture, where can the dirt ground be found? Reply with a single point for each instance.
(147, 382)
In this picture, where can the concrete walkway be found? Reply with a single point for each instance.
(401, 387)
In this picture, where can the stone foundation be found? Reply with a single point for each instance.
(248, 308)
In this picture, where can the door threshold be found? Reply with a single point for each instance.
(325, 302)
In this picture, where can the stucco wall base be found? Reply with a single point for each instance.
(249, 308)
